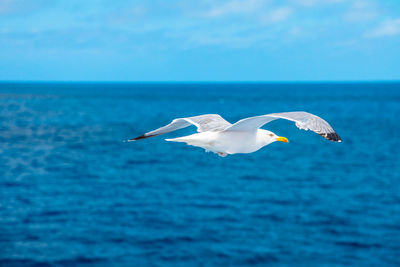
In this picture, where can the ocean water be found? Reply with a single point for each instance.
(72, 193)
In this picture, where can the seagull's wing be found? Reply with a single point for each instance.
(208, 122)
(303, 120)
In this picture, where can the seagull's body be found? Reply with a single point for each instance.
(221, 137)
(228, 142)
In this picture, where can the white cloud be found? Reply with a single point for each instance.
(280, 14)
(310, 3)
(231, 37)
(235, 7)
(386, 28)
(361, 11)
(259, 10)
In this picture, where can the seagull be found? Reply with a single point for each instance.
(217, 135)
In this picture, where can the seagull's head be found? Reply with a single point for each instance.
(270, 137)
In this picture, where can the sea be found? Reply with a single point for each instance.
(73, 193)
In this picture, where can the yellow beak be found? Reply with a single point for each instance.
(282, 139)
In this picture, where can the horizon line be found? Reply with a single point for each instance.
(203, 82)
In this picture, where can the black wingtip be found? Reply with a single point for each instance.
(137, 138)
(144, 136)
(334, 137)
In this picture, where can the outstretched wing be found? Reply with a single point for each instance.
(303, 120)
(208, 122)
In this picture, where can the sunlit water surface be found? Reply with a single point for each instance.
(71, 192)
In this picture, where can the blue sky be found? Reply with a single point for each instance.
(202, 40)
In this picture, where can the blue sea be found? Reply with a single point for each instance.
(73, 193)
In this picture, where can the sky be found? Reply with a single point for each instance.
(199, 40)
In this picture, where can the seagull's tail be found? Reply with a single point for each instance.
(179, 139)
(186, 139)
(192, 140)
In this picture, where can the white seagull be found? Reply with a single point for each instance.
(245, 136)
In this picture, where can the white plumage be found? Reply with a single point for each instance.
(217, 135)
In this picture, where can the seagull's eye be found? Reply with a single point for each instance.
(271, 135)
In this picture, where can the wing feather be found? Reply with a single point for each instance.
(303, 120)
(208, 122)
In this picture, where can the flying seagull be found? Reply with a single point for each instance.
(245, 136)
